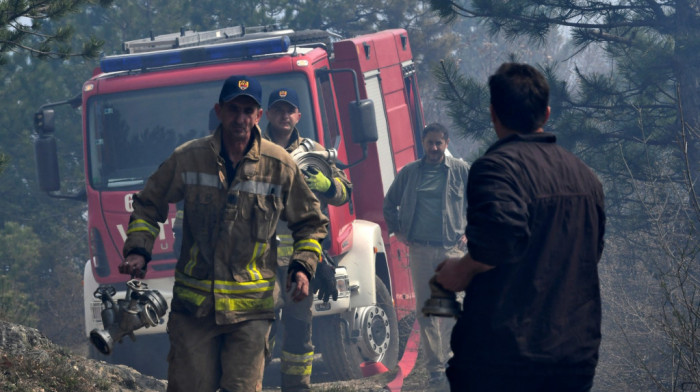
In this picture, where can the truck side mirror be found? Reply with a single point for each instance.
(363, 121)
(44, 121)
(45, 152)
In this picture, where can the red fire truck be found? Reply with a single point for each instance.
(358, 97)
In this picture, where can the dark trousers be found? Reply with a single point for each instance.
(472, 379)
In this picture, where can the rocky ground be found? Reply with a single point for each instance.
(31, 362)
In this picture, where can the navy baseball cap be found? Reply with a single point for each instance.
(238, 85)
(284, 94)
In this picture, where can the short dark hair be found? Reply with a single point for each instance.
(519, 96)
(435, 127)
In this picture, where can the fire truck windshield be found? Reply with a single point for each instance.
(130, 133)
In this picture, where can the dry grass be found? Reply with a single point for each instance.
(40, 371)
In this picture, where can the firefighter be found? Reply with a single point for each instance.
(235, 186)
(297, 351)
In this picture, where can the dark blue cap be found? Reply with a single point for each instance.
(284, 94)
(238, 85)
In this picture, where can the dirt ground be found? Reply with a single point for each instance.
(415, 382)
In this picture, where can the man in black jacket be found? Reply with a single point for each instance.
(532, 310)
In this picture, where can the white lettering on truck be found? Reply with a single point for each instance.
(129, 202)
(161, 235)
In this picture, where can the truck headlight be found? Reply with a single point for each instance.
(342, 282)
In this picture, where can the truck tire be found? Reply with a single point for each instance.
(376, 340)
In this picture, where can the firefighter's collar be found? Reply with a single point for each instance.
(294, 139)
(253, 153)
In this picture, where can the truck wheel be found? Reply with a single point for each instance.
(369, 334)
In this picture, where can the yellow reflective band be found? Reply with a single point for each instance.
(142, 225)
(188, 295)
(343, 190)
(296, 370)
(258, 286)
(201, 285)
(308, 244)
(225, 286)
(192, 262)
(285, 251)
(298, 358)
(285, 248)
(285, 240)
(245, 304)
(252, 268)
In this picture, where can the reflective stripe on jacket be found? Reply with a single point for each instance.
(343, 190)
(228, 257)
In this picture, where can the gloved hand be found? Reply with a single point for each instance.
(324, 282)
(316, 180)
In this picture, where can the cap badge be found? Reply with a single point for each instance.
(243, 84)
(283, 93)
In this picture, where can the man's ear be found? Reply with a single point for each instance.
(546, 116)
(494, 118)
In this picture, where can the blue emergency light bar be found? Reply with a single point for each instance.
(174, 57)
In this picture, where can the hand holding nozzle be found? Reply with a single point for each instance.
(442, 302)
(316, 180)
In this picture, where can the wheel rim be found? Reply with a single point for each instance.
(373, 326)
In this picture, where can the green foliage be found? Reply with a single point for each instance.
(15, 305)
(27, 27)
(42, 237)
(639, 100)
(19, 252)
(463, 97)
(3, 162)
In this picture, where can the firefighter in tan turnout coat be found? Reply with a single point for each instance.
(235, 186)
(297, 350)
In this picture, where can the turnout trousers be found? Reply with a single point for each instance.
(297, 350)
(205, 356)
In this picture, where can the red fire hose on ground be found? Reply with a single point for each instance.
(408, 360)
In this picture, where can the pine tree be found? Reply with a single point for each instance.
(27, 28)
